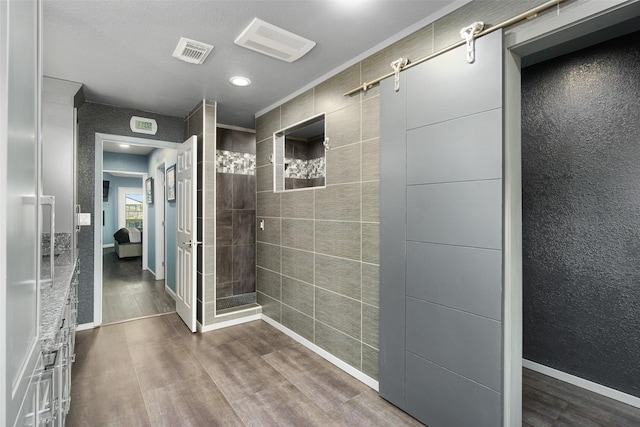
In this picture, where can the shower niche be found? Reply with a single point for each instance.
(300, 155)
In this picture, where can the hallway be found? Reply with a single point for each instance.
(154, 372)
(130, 292)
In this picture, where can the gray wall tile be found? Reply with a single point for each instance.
(343, 126)
(371, 201)
(224, 264)
(264, 176)
(371, 160)
(224, 226)
(343, 164)
(297, 322)
(298, 295)
(371, 243)
(339, 275)
(269, 283)
(297, 264)
(370, 361)
(370, 326)
(298, 109)
(244, 191)
(297, 233)
(268, 256)
(297, 204)
(339, 312)
(342, 346)
(268, 204)
(267, 124)
(244, 268)
(224, 190)
(328, 94)
(271, 232)
(371, 118)
(371, 284)
(270, 307)
(414, 47)
(244, 227)
(264, 149)
(337, 238)
(339, 202)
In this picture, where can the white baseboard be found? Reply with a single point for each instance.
(170, 291)
(324, 354)
(581, 382)
(228, 323)
(85, 326)
(108, 245)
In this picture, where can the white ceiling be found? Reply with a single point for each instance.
(121, 50)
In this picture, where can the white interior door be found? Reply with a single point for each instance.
(186, 242)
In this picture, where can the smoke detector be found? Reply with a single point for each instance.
(192, 51)
(265, 38)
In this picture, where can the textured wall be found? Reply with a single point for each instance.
(101, 118)
(581, 214)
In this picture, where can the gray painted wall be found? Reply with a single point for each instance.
(581, 213)
(101, 118)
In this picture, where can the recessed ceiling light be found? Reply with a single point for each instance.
(124, 145)
(239, 81)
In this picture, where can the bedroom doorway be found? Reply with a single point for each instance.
(134, 266)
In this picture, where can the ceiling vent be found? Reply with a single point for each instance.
(192, 51)
(273, 41)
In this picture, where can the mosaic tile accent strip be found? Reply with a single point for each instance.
(305, 169)
(237, 163)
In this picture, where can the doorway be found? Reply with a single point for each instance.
(135, 276)
(550, 38)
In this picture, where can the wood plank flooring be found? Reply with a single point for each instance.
(128, 292)
(154, 372)
(548, 402)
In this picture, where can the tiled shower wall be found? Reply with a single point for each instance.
(318, 256)
(235, 218)
(202, 123)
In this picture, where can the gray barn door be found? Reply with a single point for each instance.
(441, 239)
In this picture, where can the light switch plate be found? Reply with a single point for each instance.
(84, 219)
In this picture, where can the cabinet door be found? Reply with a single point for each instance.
(20, 202)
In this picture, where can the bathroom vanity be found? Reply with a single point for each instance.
(58, 322)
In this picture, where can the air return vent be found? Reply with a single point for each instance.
(273, 41)
(192, 51)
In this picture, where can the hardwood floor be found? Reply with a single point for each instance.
(154, 372)
(128, 292)
(548, 402)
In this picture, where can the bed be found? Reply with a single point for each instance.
(128, 242)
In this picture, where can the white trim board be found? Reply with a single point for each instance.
(324, 354)
(168, 290)
(581, 382)
(108, 245)
(85, 326)
(226, 324)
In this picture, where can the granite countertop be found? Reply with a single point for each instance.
(54, 297)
